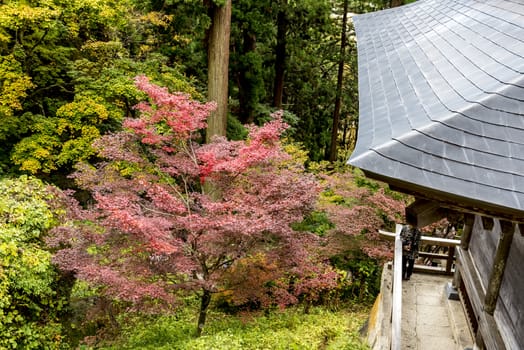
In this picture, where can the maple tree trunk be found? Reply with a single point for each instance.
(205, 300)
(307, 306)
(218, 66)
(106, 304)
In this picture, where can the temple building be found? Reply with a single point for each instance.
(441, 117)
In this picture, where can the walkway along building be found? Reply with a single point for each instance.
(441, 86)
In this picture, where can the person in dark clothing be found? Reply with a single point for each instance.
(410, 237)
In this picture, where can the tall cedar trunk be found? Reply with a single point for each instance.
(336, 114)
(205, 300)
(280, 59)
(218, 65)
(245, 88)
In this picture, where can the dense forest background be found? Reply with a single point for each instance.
(70, 94)
(67, 70)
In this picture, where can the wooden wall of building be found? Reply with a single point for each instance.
(477, 272)
(483, 245)
(510, 305)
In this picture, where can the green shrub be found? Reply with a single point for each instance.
(31, 301)
(290, 329)
(316, 222)
(364, 274)
(235, 130)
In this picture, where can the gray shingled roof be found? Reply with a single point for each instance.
(441, 86)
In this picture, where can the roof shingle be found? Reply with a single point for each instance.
(441, 86)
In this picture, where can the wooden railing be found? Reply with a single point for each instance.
(431, 258)
(396, 312)
(396, 302)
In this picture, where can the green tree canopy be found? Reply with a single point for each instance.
(30, 303)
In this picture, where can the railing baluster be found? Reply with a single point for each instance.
(449, 261)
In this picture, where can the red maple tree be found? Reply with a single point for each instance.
(173, 213)
(358, 212)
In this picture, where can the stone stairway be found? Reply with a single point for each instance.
(431, 321)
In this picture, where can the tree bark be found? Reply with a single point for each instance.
(336, 114)
(205, 300)
(218, 66)
(280, 59)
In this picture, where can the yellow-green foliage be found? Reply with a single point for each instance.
(66, 77)
(81, 14)
(13, 86)
(14, 15)
(64, 139)
(297, 152)
(28, 301)
(290, 329)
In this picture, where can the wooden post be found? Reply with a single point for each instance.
(396, 317)
(455, 282)
(469, 220)
(449, 260)
(499, 265)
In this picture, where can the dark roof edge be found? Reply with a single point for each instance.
(450, 200)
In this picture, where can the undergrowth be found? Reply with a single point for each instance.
(289, 329)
